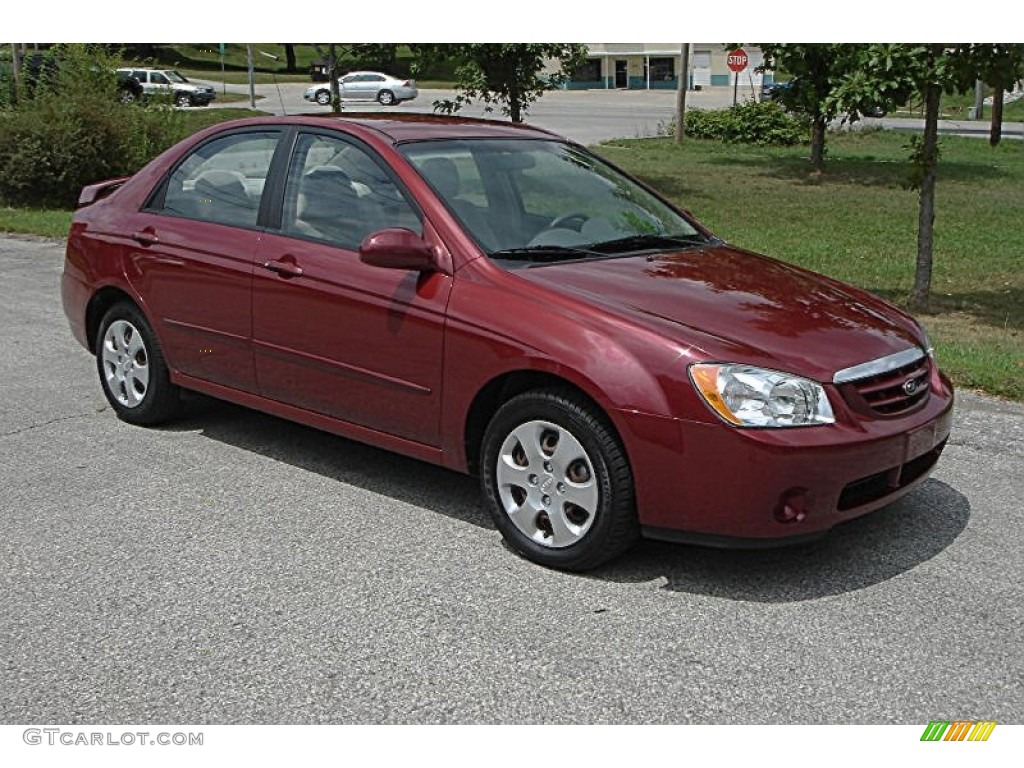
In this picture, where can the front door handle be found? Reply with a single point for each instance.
(146, 237)
(284, 268)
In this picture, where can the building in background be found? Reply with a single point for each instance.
(649, 66)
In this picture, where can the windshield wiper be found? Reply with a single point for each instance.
(545, 253)
(651, 241)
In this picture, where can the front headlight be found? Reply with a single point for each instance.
(756, 397)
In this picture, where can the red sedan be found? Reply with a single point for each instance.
(497, 300)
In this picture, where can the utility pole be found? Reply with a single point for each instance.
(684, 84)
(979, 99)
(252, 76)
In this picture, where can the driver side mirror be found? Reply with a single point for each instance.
(397, 248)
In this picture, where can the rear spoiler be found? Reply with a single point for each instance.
(94, 192)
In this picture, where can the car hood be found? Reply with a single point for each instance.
(733, 305)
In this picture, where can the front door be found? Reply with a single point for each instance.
(331, 334)
(621, 73)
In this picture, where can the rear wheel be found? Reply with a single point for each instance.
(132, 369)
(386, 98)
(557, 480)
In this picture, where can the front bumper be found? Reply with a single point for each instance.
(713, 483)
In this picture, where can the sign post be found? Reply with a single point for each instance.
(737, 61)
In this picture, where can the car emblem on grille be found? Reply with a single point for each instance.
(910, 386)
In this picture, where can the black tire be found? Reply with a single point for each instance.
(125, 346)
(599, 534)
(182, 100)
(323, 98)
(386, 98)
(125, 96)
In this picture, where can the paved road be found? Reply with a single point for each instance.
(594, 115)
(237, 568)
(585, 116)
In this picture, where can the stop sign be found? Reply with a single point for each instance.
(737, 60)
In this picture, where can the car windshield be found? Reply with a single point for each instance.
(539, 201)
(175, 77)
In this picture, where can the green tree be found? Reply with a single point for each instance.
(817, 70)
(998, 65)
(513, 75)
(896, 73)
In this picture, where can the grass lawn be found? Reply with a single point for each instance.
(857, 222)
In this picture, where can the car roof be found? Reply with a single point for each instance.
(400, 128)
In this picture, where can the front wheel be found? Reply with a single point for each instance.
(557, 481)
(323, 98)
(132, 369)
(183, 100)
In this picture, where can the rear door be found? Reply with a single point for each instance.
(192, 262)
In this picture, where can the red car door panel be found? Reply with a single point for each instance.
(197, 277)
(349, 340)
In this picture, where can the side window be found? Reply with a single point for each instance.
(140, 75)
(338, 193)
(158, 78)
(222, 181)
(455, 175)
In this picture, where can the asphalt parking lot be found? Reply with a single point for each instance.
(588, 116)
(237, 568)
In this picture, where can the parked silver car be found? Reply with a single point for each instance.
(366, 86)
(168, 82)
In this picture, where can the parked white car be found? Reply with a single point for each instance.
(366, 86)
(168, 82)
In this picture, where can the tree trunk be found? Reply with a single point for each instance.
(289, 55)
(684, 83)
(818, 126)
(926, 213)
(16, 71)
(515, 106)
(332, 68)
(995, 132)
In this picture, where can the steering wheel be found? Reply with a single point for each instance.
(563, 222)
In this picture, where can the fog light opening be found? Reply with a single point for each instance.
(793, 506)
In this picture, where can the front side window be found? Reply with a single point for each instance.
(338, 193)
(222, 181)
(158, 78)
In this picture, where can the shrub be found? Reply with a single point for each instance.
(72, 131)
(752, 122)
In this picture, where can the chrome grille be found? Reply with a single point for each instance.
(894, 386)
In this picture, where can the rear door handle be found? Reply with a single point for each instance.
(284, 268)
